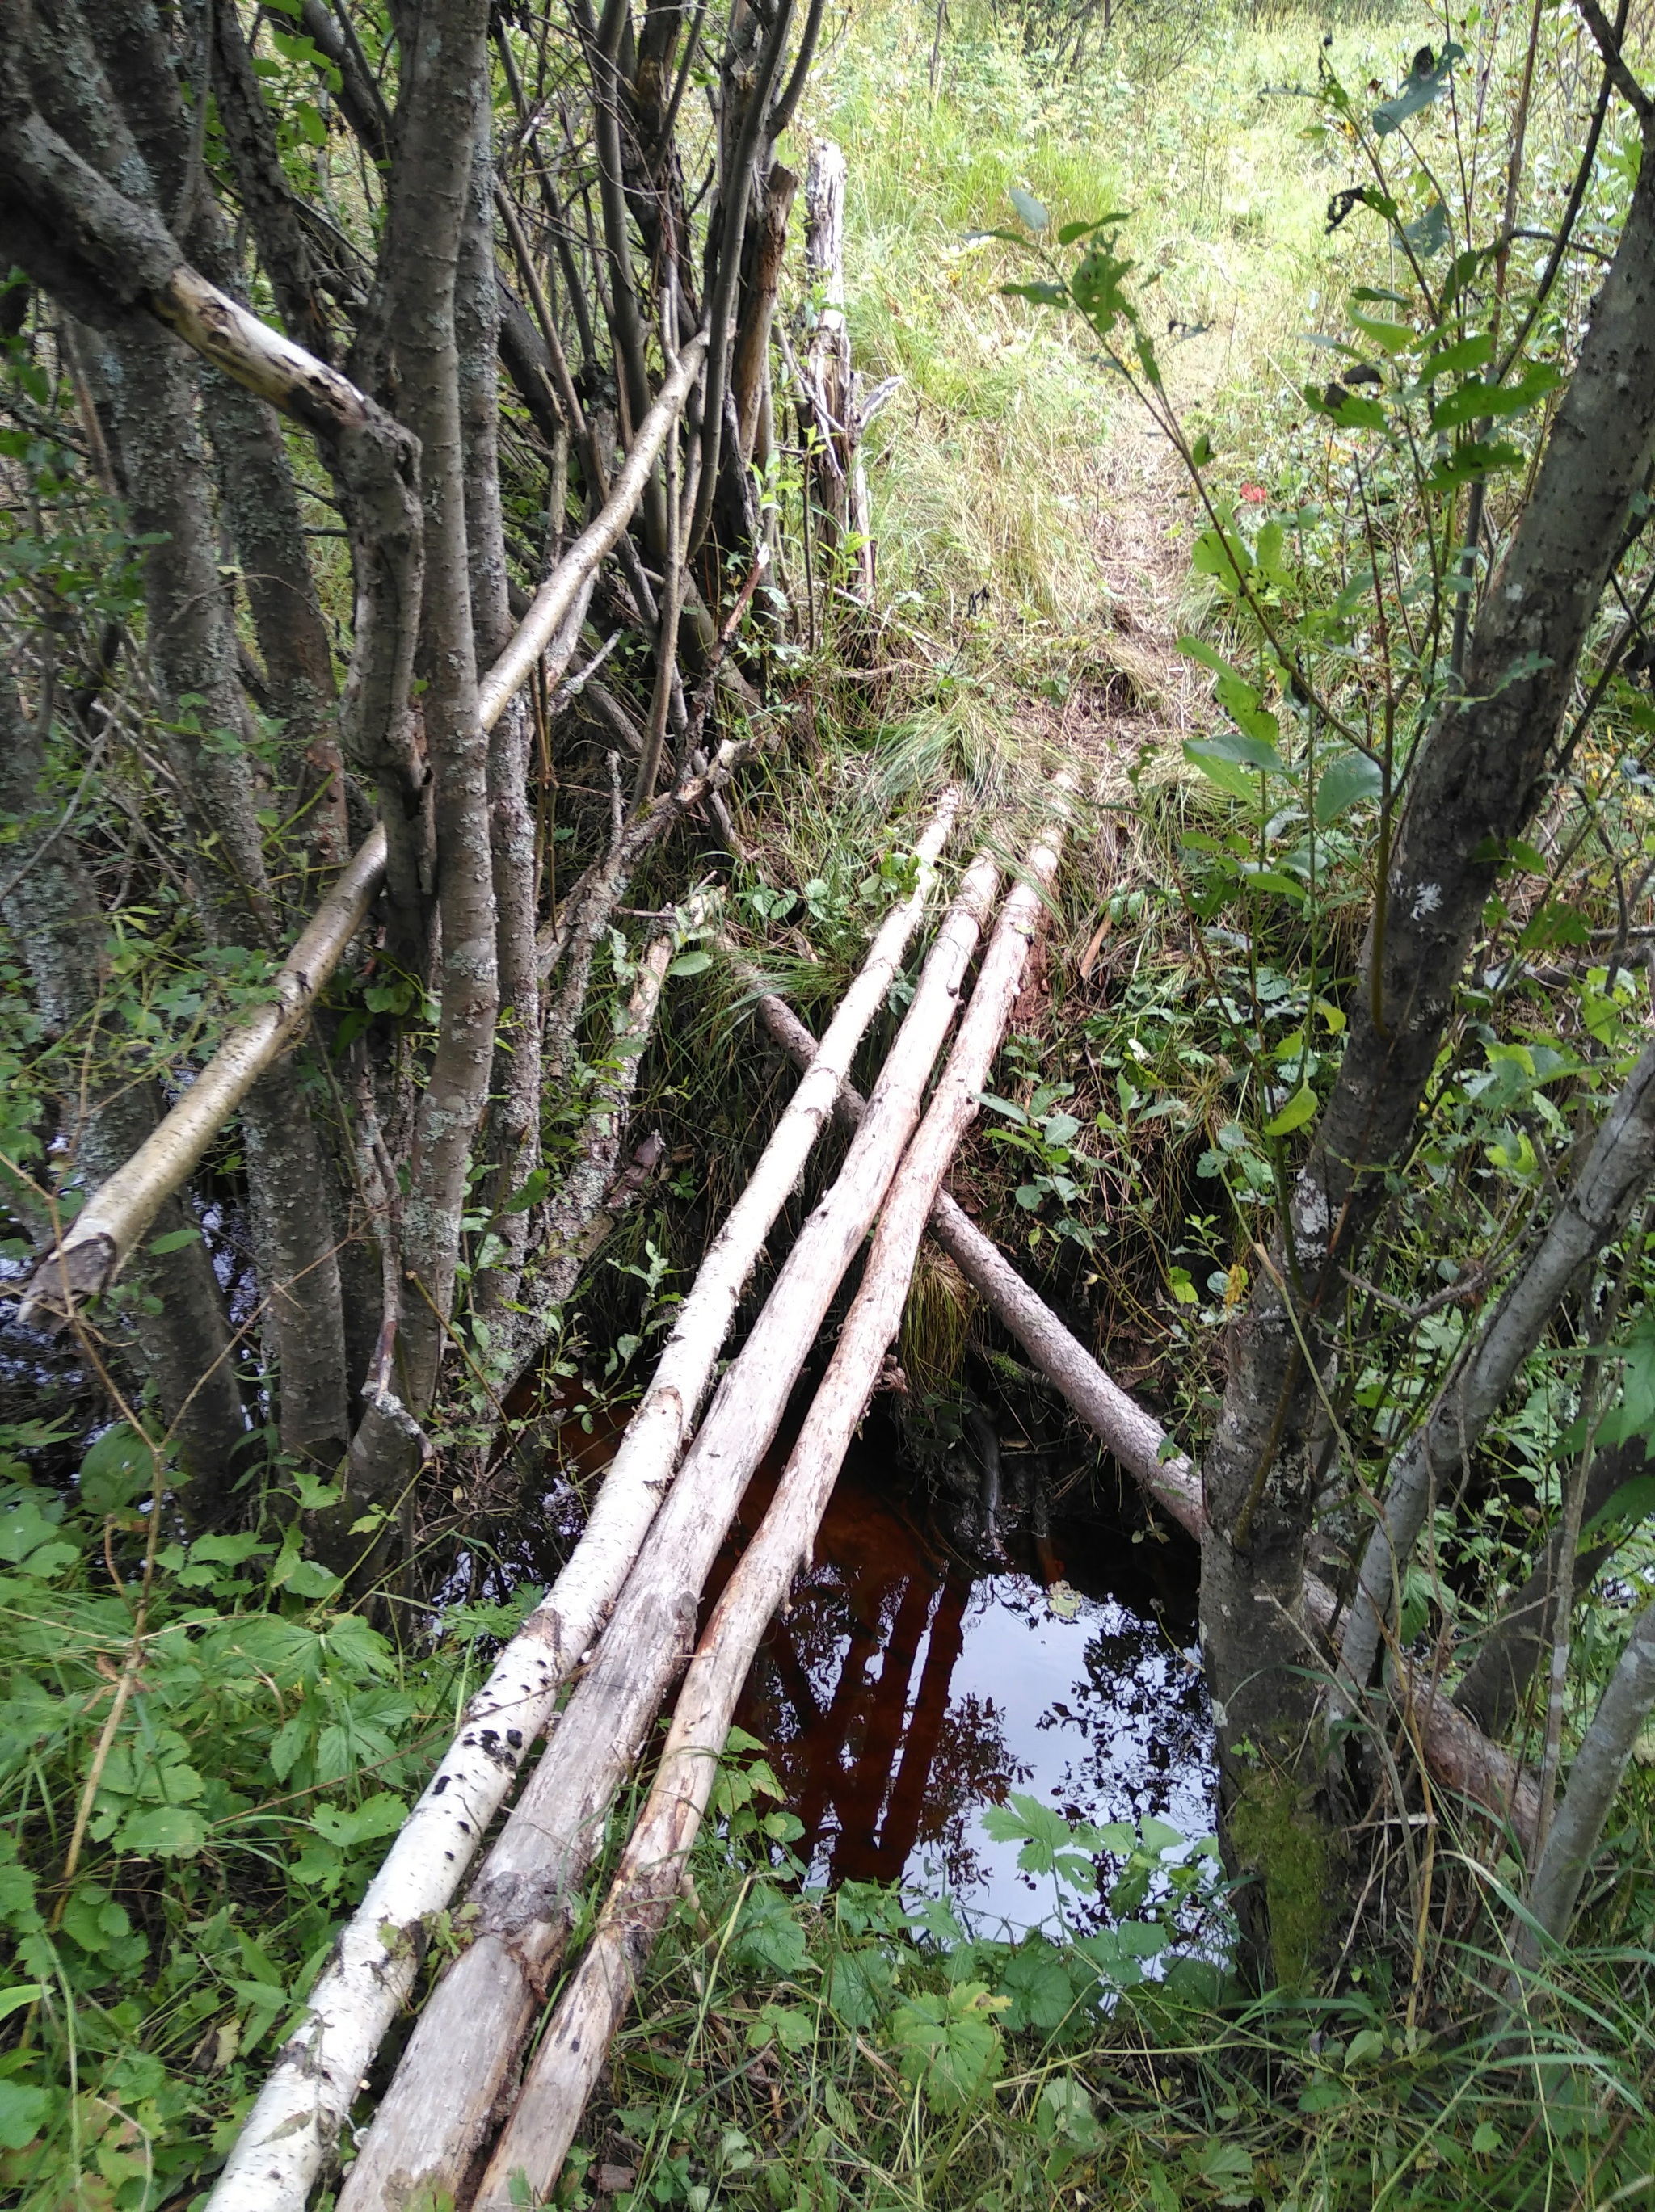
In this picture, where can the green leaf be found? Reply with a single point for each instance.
(1428, 233)
(1632, 1502)
(859, 1985)
(691, 964)
(767, 1934)
(948, 2045)
(1345, 780)
(309, 1578)
(1294, 1115)
(1459, 359)
(1421, 88)
(1034, 1978)
(176, 1240)
(1475, 402)
(1029, 209)
(119, 1467)
(23, 2109)
(1246, 747)
(1392, 337)
(162, 1832)
(19, 1995)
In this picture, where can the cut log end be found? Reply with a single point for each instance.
(78, 1271)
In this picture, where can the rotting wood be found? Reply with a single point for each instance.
(1451, 1745)
(292, 2127)
(439, 2111)
(573, 2050)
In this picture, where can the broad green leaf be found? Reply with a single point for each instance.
(1423, 86)
(162, 1832)
(23, 2110)
(691, 964)
(1428, 233)
(1475, 402)
(309, 1578)
(1294, 1115)
(119, 1467)
(1344, 779)
(948, 2046)
(19, 1993)
(1243, 750)
(767, 1934)
(1459, 359)
(859, 1985)
(1029, 209)
(1393, 338)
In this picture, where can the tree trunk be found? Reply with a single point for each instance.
(1618, 1170)
(1473, 788)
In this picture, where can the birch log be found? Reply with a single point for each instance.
(554, 2094)
(292, 2128)
(103, 1234)
(1454, 1749)
(437, 2113)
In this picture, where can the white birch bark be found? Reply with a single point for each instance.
(87, 1259)
(552, 602)
(439, 2109)
(292, 2127)
(1618, 1168)
(103, 1234)
(572, 2052)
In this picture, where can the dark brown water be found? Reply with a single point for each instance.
(901, 1694)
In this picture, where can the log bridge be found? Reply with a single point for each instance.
(456, 2121)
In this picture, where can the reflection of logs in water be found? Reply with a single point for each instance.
(899, 1696)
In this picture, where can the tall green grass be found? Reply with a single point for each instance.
(988, 468)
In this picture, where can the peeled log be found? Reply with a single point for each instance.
(292, 2127)
(572, 2052)
(439, 2109)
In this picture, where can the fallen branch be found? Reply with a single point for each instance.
(573, 2050)
(104, 1233)
(296, 2120)
(552, 602)
(1456, 1751)
(438, 2112)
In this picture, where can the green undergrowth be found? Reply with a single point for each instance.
(201, 1761)
(802, 2051)
(985, 466)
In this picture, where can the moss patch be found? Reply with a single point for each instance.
(1276, 1833)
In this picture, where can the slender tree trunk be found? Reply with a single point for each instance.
(443, 85)
(1618, 1170)
(175, 1316)
(1474, 787)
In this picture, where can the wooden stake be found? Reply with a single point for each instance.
(566, 2066)
(439, 2109)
